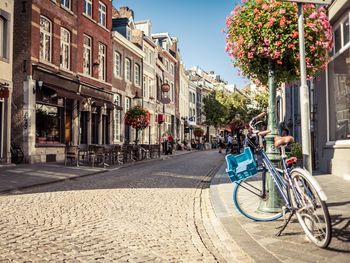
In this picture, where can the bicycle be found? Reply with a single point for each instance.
(17, 154)
(298, 191)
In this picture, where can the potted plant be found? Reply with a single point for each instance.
(296, 151)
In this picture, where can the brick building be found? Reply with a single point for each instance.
(62, 76)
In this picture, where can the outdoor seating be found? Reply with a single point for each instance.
(71, 153)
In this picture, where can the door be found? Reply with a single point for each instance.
(68, 127)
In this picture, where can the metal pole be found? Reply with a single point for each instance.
(304, 96)
(273, 203)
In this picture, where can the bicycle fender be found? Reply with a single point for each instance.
(318, 188)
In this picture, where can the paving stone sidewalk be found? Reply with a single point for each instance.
(258, 239)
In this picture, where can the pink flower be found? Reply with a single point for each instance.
(279, 62)
(282, 11)
(279, 43)
(260, 24)
(295, 34)
(250, 55)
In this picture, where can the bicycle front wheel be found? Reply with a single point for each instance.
(312, 211)
(248, 195)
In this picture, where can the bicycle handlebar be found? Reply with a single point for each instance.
(252, 122)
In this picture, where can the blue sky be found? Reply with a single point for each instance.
(197, 24)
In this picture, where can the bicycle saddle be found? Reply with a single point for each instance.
(283, 140)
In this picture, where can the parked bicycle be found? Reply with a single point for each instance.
(16, 154)
(298, 192)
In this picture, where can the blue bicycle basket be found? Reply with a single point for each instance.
(241, 166)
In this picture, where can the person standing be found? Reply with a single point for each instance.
(229, 143)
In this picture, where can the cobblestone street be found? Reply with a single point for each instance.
(156, 212)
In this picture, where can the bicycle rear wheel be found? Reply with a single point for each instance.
(312, 212)
(247, 196)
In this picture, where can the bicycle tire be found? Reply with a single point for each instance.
(247, 201)
(312, 209)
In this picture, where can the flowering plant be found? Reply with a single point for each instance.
(198, 132)
(263, 30)
(137, 117)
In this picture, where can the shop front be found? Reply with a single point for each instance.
(67, 112)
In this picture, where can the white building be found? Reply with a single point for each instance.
(6, 84)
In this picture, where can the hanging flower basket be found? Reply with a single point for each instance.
(137, 117)
(259, 31)
(198, 132)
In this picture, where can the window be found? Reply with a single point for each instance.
(167, 65)
(65, 48)
(102, 14)
(172, 69)
(102, 61)
(127, 103)
(117, 118)
(66, 4)
(49, 117)
(88, 7)
(346, 32)
(337, 40)
(45, 39)
(127, 69)
(146, 50)
(87, 55)
(3, 37)
(341, 35)
(145, 81)
(137, 75)
(117, 64)
(150, 88)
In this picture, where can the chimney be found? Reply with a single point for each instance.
(126, 12)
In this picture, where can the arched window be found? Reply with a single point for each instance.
(45, 39)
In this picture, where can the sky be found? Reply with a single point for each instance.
(197, 25)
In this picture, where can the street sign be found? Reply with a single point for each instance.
(316, 2)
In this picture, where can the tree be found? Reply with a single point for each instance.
(214, 111)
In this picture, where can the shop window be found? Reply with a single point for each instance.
(45, 39)
(49, 117)
(339, 97)
(117, 117)
(84, 121)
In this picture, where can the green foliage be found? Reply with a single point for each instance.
(296, 150)
(214, 111)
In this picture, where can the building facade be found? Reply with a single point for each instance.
(6, 83)
(331, 94)
(62, 76)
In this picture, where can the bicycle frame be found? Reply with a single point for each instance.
(276, 176)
